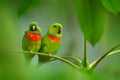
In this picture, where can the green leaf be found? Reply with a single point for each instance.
(91, 19)
(27, 5)
(112, 5)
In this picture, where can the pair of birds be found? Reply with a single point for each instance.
(34, 42)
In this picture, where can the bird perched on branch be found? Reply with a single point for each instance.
(51, 42)
(31, 41)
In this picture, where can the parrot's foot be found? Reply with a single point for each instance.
(31, 52)
(49, 54)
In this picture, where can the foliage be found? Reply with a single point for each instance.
(92, 16)
(91, 24)
(27, 5)
(112, 5)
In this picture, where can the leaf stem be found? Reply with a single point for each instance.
(113, 52)
(71, 57)
(53, 56)
(85, 61)
(95, 63)
(67, 58)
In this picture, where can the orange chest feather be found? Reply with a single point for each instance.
(55, 39)
(33, 36)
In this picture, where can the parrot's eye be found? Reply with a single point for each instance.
(33, 28)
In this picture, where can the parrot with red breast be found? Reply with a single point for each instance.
(50, 43)
(31, 41)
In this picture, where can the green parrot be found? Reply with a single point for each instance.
(31, 41)
(51, 42)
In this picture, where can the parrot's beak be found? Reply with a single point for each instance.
(59, 31)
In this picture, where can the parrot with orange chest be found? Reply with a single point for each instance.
(50, 43)
(31, 41)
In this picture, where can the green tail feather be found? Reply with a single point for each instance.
(28, 58)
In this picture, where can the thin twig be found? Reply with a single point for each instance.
(113, 52)
(95, 63)
(71, 57)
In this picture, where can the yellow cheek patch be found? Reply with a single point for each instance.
(53, 30)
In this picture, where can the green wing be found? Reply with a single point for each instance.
(48, 46)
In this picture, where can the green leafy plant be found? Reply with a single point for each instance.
(112, 5)
(91, 24)
(27, 5)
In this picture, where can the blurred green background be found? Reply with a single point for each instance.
(12, 27)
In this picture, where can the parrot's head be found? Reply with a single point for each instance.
(33, 27)
(55, 30)
(34, 32)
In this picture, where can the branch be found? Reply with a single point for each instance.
(95, 63)
(52, 56)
